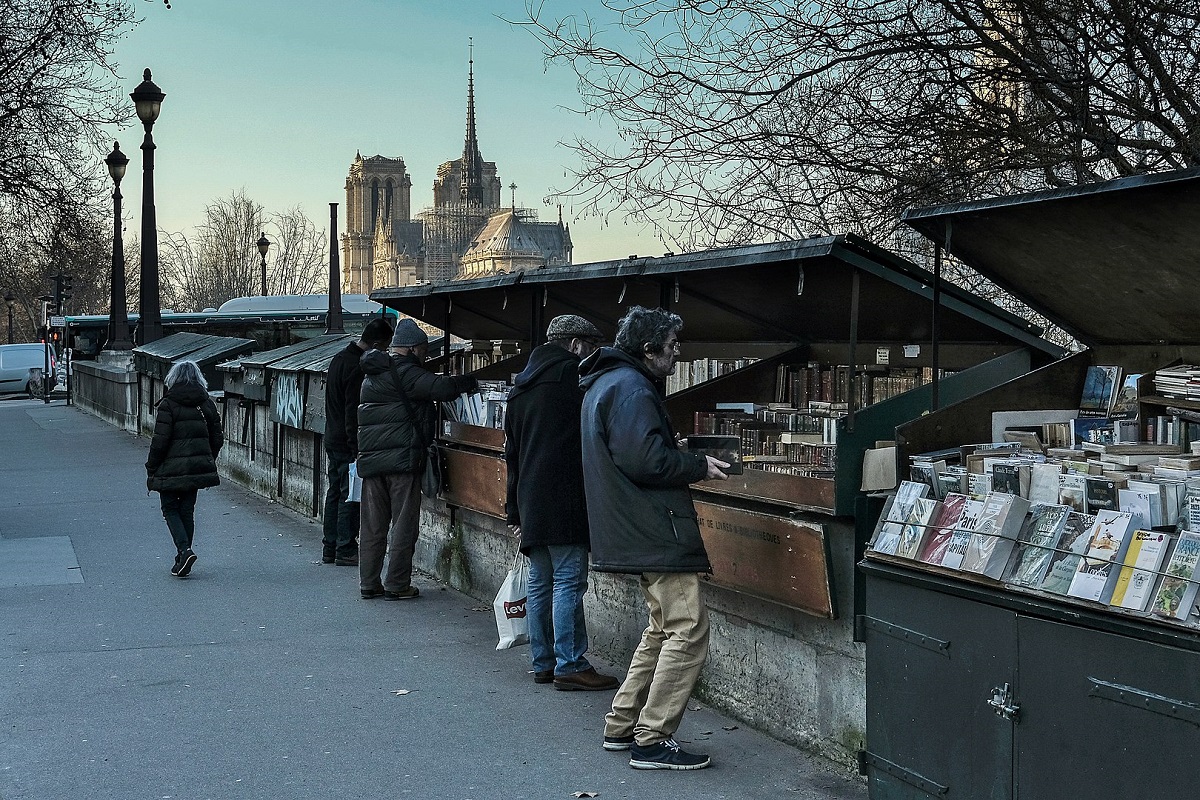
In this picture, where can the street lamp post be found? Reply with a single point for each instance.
(147, 99)
(118, 314)
(10, 298)
(263, 244)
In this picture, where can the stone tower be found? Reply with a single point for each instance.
(378, 208)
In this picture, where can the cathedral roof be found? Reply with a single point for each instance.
(507, 232)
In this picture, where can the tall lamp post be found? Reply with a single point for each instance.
(118, 314)
(147, 99)
(263, 244)
(9, 299)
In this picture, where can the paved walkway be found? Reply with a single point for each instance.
(264, 675)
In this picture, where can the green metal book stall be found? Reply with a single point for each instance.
(978, 688)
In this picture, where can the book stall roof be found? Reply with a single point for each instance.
(294, 356)
(1112, 263)
(204, 349)
(796, 291)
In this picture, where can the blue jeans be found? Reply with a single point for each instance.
(557, 631)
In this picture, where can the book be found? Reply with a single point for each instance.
(1140, 505)
(927, 472)
(891, 522)
(1192, 513)
(978, 485)
(995, 534)
(1139, 568)
(916, 527)
(1099, 494)
(1006, 477)
(1039, 536)
(1177, 592)
(960, 537)
(1125, 401)
(721, 447)
(1043, 483)
(934, 548)
(1099, 387)
(1071, 490)
(1096, 572)
(1066, 556)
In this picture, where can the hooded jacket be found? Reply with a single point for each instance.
(396, 420)
(639, 508)
(542, 451)
(187, 439)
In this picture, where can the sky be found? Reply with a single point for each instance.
(275, 97)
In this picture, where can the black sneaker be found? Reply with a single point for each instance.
(328, 557)
(186, 559)
(176, 565)
(404, 594)
(666, 754)
(618, 742)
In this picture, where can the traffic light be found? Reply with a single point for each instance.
(65, 293)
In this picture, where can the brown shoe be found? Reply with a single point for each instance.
(587, 681)
(543, 676)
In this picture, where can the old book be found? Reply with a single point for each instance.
(995, 534)
(721, 447)
(1097, 571)
(891, 522)
(934, 548)
(1043, 483)
(1177, 591)
(952, 482)
(1099, 494)
(1071, 489)
(978, 484)
(1139, 505)
(1139, 568)
(1006, 477)
(1186, 463)
(927, 472)
(1125, 401)
(1035, 545)
(1066, 556)
(1099, 387)
(916, 527)
(1192, 513)
(956, 550)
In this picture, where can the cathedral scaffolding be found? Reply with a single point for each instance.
(449, 229)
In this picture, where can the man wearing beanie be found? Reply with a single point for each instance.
(545, 502)
(397, 414)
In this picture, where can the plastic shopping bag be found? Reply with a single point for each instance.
(509, 606)
(355, 494)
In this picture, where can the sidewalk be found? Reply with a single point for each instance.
(264, 675)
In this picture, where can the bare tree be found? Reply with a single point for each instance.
(752, 120)
(297, 262)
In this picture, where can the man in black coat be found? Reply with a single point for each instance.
(397, 414)
(643, 522)
(546, 505)
(339, 545)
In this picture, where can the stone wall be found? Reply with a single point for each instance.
(107, 388)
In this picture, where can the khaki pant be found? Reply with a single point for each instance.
(389, 521)
(667, 662)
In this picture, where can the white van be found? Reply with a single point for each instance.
(17, 365)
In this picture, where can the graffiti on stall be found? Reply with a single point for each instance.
(289, 402)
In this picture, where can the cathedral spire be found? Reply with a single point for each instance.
(472, 161)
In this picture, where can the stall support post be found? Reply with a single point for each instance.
(853, 354)
(446, 336)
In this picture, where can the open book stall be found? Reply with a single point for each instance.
(796, 358)
(1040, 558)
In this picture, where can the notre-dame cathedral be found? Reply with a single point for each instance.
(465, 234)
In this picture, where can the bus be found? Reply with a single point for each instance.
(271, 321)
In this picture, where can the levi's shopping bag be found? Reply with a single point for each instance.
(509, 605)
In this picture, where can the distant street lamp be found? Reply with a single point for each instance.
(118, 315)
(147, 98)
(10, 298)
(263, 244)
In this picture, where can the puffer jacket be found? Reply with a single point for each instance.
(639, 508)
(187, 439)
(541, 448)
(393, 434)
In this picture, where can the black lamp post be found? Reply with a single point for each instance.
(263, 244)
(118, 314)
(147, 98)
(10, 298)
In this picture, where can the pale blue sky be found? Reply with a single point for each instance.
(275, 96)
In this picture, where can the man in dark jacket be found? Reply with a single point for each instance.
(546, 504)
(396, 418)
(643, 522)
(339, 545)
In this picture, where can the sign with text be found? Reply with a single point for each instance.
(775, 558)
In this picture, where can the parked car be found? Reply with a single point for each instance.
(22, 364)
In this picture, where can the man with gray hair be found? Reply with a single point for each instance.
(643, 522)
(546, 506)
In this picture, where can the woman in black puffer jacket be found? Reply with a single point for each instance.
(183, 455)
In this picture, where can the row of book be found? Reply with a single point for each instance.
(1181, 381)
(799, 385)
(691, 373)
(485, 408)
(1105, 558)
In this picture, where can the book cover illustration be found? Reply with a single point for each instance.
(995, 534)
(1099, 387)
(916, 527)
(1139, 568)
(1107, 539)
(1066, 556)
(1071, 490)
(1006, 477)
(1125, 402)
(721, 447)
(934, 548)
(1039, 537)
(1099, 494)
(928, 472)
(1139, 505)
(960, 536)
(887, 538)
(1177, 593)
